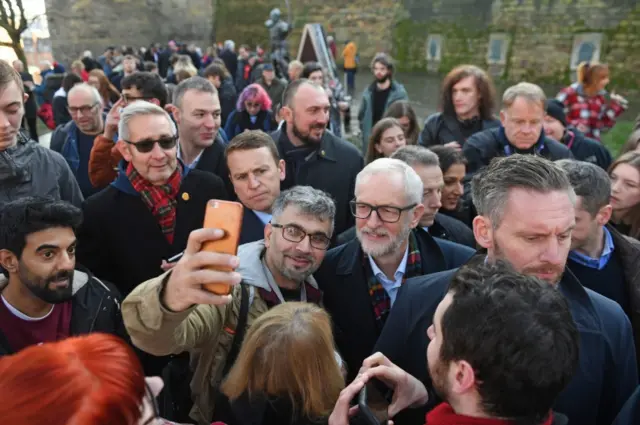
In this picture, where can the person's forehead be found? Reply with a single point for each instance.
(10, 93)
(392, 132)
(469, 81)
(524, 106)
(380, 188)
(51, 236)
(293, 215)
(309, 95)
(199, 99)
(149, 127)
(430, 175)
(80, 96)
(528, 209)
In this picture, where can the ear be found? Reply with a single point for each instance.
(124, 149)
(286, 113)
(604, 215)
(483, 231)
(462, 377)
(268, 229)
(418, 211)
(503, 117)
(282, 169)
(377, 147)
(24, 98)
(154, 101)
(172, 109)
(8, 261)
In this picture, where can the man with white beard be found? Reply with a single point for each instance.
(360, 279)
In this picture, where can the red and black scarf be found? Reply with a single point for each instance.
(161, 200)
(314, 295)
(379, 297)
(443, 414)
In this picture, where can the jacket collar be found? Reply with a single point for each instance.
(326, 150)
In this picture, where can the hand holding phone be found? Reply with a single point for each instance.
(226, 216)
(184, 285)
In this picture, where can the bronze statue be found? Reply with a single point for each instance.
(278, 31)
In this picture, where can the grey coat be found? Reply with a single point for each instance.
(29, 169)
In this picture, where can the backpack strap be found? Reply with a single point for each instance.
(241, 327)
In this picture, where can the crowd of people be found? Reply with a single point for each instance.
(481, 268)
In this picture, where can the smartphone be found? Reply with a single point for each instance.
(373, 411)
(227, 216)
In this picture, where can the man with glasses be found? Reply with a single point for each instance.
(104, 159)
(172, 314)
(75, 139)
(360, 279)
(144, 217)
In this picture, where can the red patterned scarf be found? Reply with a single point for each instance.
(161, 200)
(379, 297)
(443, 414)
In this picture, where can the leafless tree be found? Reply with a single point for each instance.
(14, 20)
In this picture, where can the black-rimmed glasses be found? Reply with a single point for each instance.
(85, 109)
(386, 213)
(146, 146)
(293, 233)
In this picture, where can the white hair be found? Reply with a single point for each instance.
(87, 88)
(137, 108)
(230, 45)
(412, 183)
(87, 54)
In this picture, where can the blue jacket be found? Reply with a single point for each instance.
(630, 413)
(607, 373)
(64, 140)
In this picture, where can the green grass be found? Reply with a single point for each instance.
(617, 136)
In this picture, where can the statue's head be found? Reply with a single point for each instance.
(275, 15)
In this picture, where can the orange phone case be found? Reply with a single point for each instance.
(227, 216)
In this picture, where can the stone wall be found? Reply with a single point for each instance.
(77, 25)
(540, 33)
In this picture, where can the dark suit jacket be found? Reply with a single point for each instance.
(332, 168)
(605, 378)
(252, 227)
(212, 161)
(120, 240)
(346, 292)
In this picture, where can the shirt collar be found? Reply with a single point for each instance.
(263, 216)
(195, 161)
(400, 271)
(596, 263)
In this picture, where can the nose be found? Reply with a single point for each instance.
(67, 261)
(374, 220)
(4, 120)
(553, 253)
(434, 200)
(615, 186)
(459, 189)
(253, 181)
(209, 121)
(157, 152)
(304, 245)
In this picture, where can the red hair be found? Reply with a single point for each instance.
(88, 380)
(256, 93)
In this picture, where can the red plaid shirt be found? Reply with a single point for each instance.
(593, 113)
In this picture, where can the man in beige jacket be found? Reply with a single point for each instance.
(171, 314)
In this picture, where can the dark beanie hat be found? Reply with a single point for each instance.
(555, 109)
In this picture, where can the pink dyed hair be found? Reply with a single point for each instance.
(257, 93)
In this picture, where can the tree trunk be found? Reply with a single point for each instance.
(17, 48)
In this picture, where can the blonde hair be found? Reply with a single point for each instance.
(633, 216)
(289, 352)
(531, 92)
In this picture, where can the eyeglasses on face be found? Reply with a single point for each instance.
(294, 233)
(145, 146)
(386, 213)
(85, 109)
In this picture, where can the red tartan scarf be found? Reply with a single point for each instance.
(443, 414)
(161, 200)
(379, 297)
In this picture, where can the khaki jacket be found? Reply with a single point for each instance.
(205, 331)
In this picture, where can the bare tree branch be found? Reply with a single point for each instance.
(5, 44)
(3, 14)
(23, 17)
(12, 14)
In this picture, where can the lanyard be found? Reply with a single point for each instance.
(537, 150)
(570, 139)
(274, 287)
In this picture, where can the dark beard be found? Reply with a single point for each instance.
(383, 79)
(306, 140)
(39, 287)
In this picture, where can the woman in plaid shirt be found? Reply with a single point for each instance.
(586, 104)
